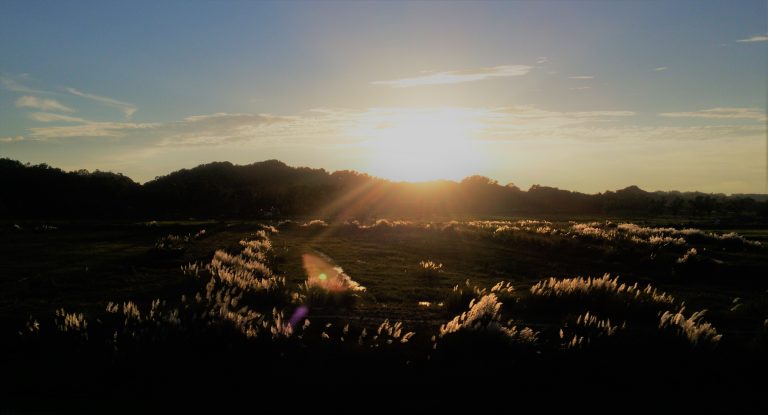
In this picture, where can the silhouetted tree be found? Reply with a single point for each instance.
(223, 190)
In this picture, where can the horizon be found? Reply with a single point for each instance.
(645, 94)
(457, 181)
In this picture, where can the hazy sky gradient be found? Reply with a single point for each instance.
(581, 95)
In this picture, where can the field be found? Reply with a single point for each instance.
(408, 307)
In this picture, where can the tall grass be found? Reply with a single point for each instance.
(176, 243)
(460, 296)
(689, 255)
(604, 295)
(694, 328)
(481, 329)
(588, 328)
(430, 271)
(327, 284)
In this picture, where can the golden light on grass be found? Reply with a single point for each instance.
(321, 272)
(420, 144)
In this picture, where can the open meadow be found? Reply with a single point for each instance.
(609, 305)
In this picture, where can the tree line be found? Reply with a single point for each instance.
(273, 189)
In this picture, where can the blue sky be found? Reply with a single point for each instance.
(581, 95)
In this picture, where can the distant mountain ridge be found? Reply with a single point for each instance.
(273, 189)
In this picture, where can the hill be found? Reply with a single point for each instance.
(273, 189)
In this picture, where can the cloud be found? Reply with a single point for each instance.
(11, 139)
(209, 129)
(541, 60)
(92, 129)
(12, 85)
(626, 133)
(581, 77)
(50, 117)
(222, 128)
(531, 123)
(224, 118)
(580, 88)
(521, 114)
(318, 126)
(126, 108)
(82, 127)
(455, 77)
(339, 126)
(485, 124)
(756, 38)
(735, 113)
(45, 104)
(660, 68)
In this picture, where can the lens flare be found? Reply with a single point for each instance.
(323, 273)
(298, 315)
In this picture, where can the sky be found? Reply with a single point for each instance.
(581, 95)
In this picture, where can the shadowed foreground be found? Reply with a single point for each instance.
(273, 316)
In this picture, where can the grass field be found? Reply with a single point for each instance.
(538, 297)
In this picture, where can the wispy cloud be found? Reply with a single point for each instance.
(580, 88)
(541, 60)
(15, 86)
(11, 139)
(45, 104)
(223, 128)
(455, 77)
(126, 108)
(531, 112)
(527, 123)
(90, 129)
(81, 127)
(340, 126)
(581, 77)
(628, 133)
(528, 118)
(756, 38)
(736, 113)
(210, 129)
(319, 126)
(520, 122)
(660, 68)
(51, 117)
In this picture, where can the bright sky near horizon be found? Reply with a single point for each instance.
(587, 95)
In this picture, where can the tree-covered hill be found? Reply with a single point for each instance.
(273, 189)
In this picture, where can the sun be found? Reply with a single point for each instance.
(415, 144)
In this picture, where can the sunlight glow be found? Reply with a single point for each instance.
(414, 144)
(323, 273)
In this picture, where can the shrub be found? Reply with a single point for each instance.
(430, 271)
(605, 295)
(693, 328)
(688, 256)
(315, 224)
(505, 292)
(317, 296)
(175, 244)
(460, 296)
(480, 331)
